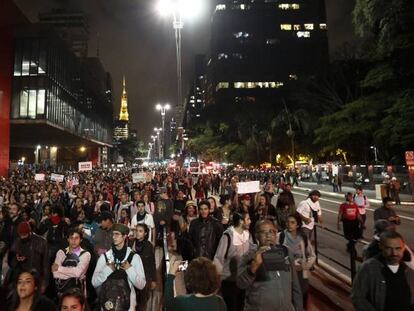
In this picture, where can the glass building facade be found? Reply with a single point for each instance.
(47, 87)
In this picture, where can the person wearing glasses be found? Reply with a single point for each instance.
(268, 274)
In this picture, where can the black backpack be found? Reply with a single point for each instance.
(71, 260)
(276, 259)
(115, 291)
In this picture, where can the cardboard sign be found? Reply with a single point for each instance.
(85, 166)
(248, 187)
(40, 177)
(57, 177)
(139, 177)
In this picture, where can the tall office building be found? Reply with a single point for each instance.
(195, 101)
(258, 47)
(121, 129)
(71, 26)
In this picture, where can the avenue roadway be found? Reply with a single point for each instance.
(334, 245)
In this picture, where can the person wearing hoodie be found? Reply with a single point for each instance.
(234, 243)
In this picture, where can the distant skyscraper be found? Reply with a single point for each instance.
(121, 129)
(259, 47)
(72, 27)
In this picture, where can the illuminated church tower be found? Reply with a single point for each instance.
(121, 129)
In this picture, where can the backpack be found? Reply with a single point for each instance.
(71, 260)
(115, 291)
(228, 244)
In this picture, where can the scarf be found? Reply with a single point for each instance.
(139, 246)
(140, 217)
(119, 255)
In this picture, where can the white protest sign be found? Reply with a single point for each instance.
(248, 187)
(40, 177)
(85, 166)
(57, 177)
(138, 177)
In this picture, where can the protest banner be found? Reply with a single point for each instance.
(57, 177)
(85, 166)
(248, 187)
(40, 177)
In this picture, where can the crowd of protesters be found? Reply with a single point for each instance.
(95, 241)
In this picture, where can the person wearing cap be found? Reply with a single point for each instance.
(103, 238)
(31, 253)
(310, 211)
(116, 259)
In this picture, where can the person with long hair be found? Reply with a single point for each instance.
(73, 300)
(27, 297)
(297, 241)
(203, 282)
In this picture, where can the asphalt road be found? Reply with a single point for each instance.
(334, 245)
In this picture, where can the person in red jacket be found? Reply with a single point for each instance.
(351, 220)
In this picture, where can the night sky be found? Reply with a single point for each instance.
(134, 40)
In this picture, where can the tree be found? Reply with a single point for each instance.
(130, 149)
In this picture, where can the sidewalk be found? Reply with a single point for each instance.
(326, 189)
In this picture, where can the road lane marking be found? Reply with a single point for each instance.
(340, 202)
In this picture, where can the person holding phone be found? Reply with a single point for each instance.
(202, 279)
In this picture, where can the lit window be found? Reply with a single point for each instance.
(239, 85)
(222, 56)
(41, 97)
(289, 6)
(220, 7)
(251, 85)
(323, 26)
(24, 96)
(25, 67)
(198, 100)
(191, 100)
(32, 104)
(272, 41)
(242, 6)
(293, 76)
(296, 27)
(309, 26)
(303, 34)
(222, 85)
(237, 55)
(241, 34)
(285, 26)
(193, 105)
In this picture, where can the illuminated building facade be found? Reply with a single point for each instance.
(258, 47)
(121, 129)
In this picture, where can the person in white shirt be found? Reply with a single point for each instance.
(143, 217)
(117, 260)
(362, 201)
(310, 211)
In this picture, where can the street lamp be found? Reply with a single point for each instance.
(158, 130)
(375, 153)
(154, 140)
(163, 109)
(179, 10)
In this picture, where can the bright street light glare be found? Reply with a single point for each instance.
(190, 8)
(158, 107)
(165, 7)
(167, 106)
